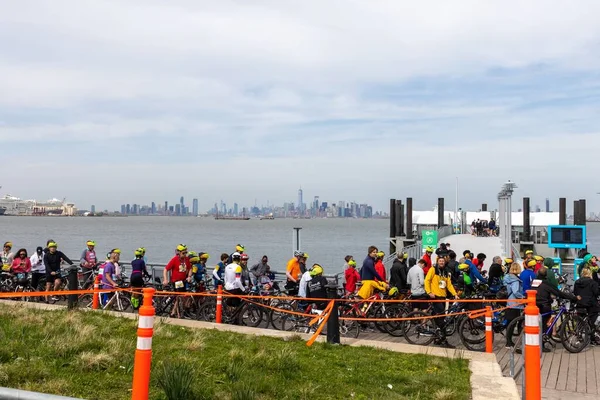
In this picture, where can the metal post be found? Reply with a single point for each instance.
(297, 238)
(333, 322)
(562, 211)
(72, 277)
(409, 220)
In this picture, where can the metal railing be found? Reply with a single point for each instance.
(17, 394)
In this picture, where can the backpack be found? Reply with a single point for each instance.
(502, 293)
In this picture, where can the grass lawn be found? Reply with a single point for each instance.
(90, 355)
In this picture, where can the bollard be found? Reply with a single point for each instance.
(533, 382)
(333, 322)
(73, 284)
(143, 352)
(489, 335)
(96, 298)
(219, 304)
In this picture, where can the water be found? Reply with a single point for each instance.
(327, 241)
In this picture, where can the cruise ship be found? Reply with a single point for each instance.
(11, 205)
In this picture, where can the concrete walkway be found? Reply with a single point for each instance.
(490, 246)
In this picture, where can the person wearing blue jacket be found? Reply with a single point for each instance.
(368, 272)
(528, 275)
(473, 271)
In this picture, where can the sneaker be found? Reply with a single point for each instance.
(54, 298)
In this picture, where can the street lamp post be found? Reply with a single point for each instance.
(505, 220)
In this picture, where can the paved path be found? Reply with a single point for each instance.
(490, 246)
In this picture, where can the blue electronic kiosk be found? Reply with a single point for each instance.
(567, 237)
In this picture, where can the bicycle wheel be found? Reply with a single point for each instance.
(395, 328)
(207, 312)
(122, 303)
(349, 328)
(575, 334)
(295, 323)
(250, 315)
(514, 331)
(276, 317)
(472, 333)
(420, 328)
(378, 311)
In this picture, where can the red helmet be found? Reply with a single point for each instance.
(245, 257)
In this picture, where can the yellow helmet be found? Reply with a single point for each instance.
(181, 247)
(305, 255)
(429, 249)
(138, 252)
(316, 270)
(239, 248)
(51, 244)
(192, 254)
(90, 243)
(380, 254)
(352, 263)
(204, 256)
(463, 267)
(8, 244)
(529, 252)
(194, 260)
(393, 292)
(116, 251)
(538, 258)
(508, 261)
(531, 263)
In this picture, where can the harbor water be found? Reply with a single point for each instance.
(326, 241)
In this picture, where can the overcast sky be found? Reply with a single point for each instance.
(110, 102)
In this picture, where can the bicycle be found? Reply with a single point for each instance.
(245, 313)
(574, 331)
(421, 329)
(347, 328)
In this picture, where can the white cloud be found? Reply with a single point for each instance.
(333, 95)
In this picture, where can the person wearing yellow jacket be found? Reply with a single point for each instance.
(368, 288)
(437, 285)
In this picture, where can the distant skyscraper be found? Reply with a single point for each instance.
(166, 208)
(235, 209)
(300, 200)
(128, 209)
(93, 208)
(177, 209)
(547, 205)
(195, 207)
(123, 209)
(182, 205)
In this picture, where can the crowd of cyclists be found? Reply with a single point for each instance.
(448, 277)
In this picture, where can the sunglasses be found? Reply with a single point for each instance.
(22, 254)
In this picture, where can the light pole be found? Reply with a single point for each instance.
(505, 220)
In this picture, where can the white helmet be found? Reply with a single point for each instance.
(298, 253)
(236, 255)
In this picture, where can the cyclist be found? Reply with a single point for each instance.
(52, 260)
(379, 267)
(293, 273)
(233, 279)
(37, 267)
(427, 257)
(180, 268)
(199, 267)
(6, 256)
(317, 286)
(138, 273)
(473, 271)
(245, 273)
(588, 290)
(527, 276)
(109, 274)
(88, 260)
(259, 269)
(238, 249)
(528, 257)
(399, 272)
(539, 263)
(437, 286)
(21, 267)
(544, 297)
(219, 270)
(352, 277)
(416, 280)
(495, 274)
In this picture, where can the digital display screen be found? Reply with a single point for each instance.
(566, 236)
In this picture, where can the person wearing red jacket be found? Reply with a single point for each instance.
(427, 257)
(379, 267)
(352, 276)
(21, 267)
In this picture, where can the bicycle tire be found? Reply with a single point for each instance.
(424, 327)
(250, 315)
(349, 328)
(378, 311)
(514, 331)
(395, 328)
(275, 318)
(207, 312)
(122, 304)
(576, 334)
(474, 327)
(294, 323)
